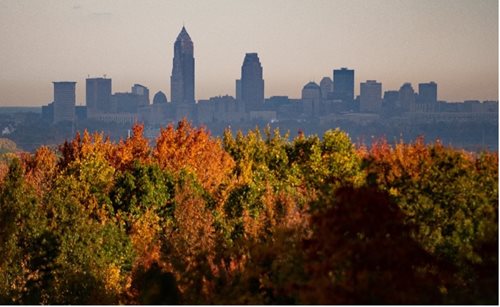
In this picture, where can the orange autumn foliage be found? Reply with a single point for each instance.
(4, 168)
(40, 168)
(412, 160)
(144, 236)
(82, 147)
(193, 149)
(403, 159)
(133, 148)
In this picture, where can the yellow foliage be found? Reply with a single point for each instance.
(112, 279)
(144, 237)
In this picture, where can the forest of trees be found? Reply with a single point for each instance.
(248, 219)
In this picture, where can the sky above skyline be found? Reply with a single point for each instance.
(451, 42)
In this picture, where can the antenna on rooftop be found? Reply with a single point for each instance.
(104, 76)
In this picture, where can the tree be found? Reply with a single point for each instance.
(452, 198)
(361, 252)
(132, 149)
(193, 150)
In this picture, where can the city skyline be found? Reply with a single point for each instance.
(466, 67)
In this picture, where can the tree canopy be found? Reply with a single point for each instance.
(251, 218)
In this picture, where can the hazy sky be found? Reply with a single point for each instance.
(451, 42)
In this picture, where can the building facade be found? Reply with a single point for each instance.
(343, 84)
(252, 83)
(326, 86)
(142, 92)
(370, 98)
(98, 96)
(182, 79)
(390, 103)
(311, 100)
(427, 97)
(64, 101)
(407, 97)
(160, 98)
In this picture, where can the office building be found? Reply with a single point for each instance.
(98, 96)
(427, 97)
(125, 102)
(311, 100)
(64, 101)
(370, 99)
(143, 94)
(238, 89)
(407, 97)
(252, 83)
(220, 109)
(80, 113)
(343, 84)
(48, 113)
(182, 79)
(326, 86)
(390, 103)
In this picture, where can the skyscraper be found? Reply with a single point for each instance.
(370, 98)
(143, 93)
(427, 92)
(407, 97)
(427, 97)
(182, 79)
(252, 84)
(326, 86)
(64, 101)
(311, 99)
(343, 84)
(98, 96)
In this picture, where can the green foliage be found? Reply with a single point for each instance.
(249, 219)
(21, 224)
(89, 248)
(453, 199)
(143, 187)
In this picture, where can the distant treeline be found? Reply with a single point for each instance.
(248, 219)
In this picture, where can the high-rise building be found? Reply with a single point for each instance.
(343, 84)
(182, 79)
(390, 103)
(427, 97)
(311, 99)
(370, 98)
(238, 89)
(143, 93)
(252, 83)
(98, 96)
(407, 97)
(326, 86)
(64, 101)
(427, 92)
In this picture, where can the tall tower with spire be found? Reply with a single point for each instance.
(182, 79)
